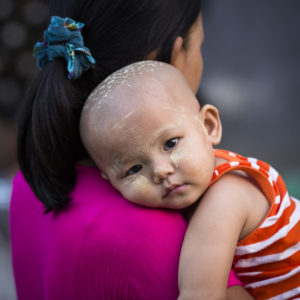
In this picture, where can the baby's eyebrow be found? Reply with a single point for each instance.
(162, 131)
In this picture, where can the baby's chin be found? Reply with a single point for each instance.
(163, 206)
(180, 205)
(183, 206)
(174, 203)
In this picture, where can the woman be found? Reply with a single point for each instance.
(91, 243)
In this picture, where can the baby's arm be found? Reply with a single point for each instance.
(223, 216)
(237, 292)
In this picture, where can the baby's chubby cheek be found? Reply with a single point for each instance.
(176, 156)
(136, 188)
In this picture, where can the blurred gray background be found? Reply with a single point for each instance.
(251, 73)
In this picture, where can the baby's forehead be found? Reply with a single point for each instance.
(121, 81)
(133, 81)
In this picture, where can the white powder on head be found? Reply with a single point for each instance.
(176, 156)
(121, 124)
(140, 183)
(121, 78)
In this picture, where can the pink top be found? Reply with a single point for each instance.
(99, 247)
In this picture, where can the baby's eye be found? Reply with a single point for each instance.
(133, 170)
(171, 144)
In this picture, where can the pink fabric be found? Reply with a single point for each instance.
(99, 247)
(233, 280)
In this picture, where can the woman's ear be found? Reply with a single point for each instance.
(178, 54)
(212, 123)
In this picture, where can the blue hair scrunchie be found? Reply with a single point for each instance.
(63, 38)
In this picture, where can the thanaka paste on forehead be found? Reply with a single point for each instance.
(121, 124)
(118, 79)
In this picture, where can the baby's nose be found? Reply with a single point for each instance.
(162, 170)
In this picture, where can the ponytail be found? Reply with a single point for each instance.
(47, 133)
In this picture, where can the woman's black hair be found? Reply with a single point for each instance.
(117, 33)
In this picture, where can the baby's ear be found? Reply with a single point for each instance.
(212, 123)
(104, 176)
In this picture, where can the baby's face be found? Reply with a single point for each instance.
(154, 143)
(161, 157)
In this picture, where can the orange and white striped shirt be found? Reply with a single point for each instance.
(267, 261)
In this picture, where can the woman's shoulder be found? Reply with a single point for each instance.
(125, 242)
(102, 237)
(98, 245)
(97, 211)
(116, 219)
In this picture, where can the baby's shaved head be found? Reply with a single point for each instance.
(140, 88)
(132, 77)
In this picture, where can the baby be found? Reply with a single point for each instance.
(145, 130)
